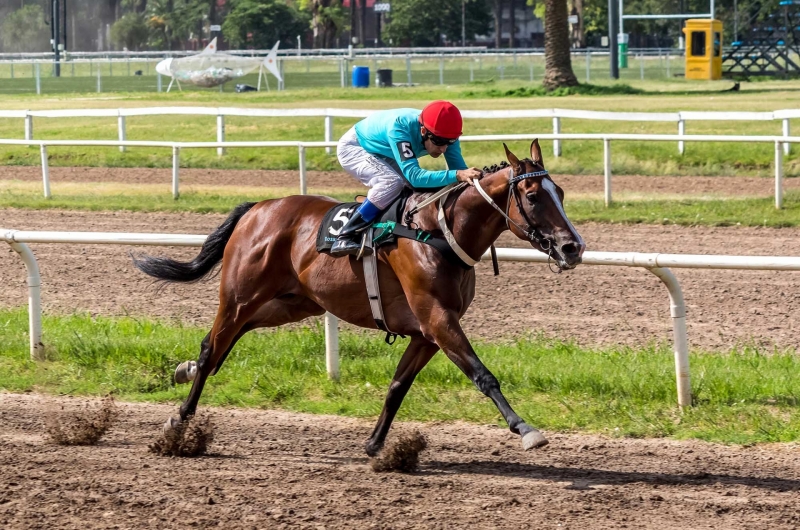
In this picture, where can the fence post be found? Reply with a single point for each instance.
(122, 133)
(471, 71)
(158, 82)
(408, 68)
(778, 175)
(786, 146)
(328, 132)
(302, 164)
(641, 66)
(99, 84)
(220, 133)
(441, 70)
(38, 80)
(556, 130)
(341, 73)
(677, 309)
(588, 65)
(607, 171)
(45, 171)
(34, 299)
(28, 126)
(681, 132)
(667, 57)
(176, 157)
(332, 346)
(281, 82)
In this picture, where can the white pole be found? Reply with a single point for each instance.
(588, 58)
(158, 82)
(341, 72)
(176, 156)
(778, 175)
(302, 164)
(556, 130)
(786, 146)
(38, 80)
(408, 68)
(45, 172)
(220, 133)
(34, 300)
(99, 84)
(607, 171)
(677, 309)
(641, 66)
(28, 126)
(121, 131)
(441, 70)
(328, 132)
(681, 132)
(332, 346)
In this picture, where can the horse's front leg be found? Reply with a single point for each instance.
(416, 356)
(444, 328)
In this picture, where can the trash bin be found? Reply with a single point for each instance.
(622, 44)
(361, 76)
(384, 78)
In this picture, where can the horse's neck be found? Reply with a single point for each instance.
(473, 222)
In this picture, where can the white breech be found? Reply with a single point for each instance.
(384, 183)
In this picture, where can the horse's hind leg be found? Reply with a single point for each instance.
(414, 359)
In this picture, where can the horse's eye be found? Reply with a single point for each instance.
(531, 197)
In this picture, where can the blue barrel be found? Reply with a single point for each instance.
(361, 76)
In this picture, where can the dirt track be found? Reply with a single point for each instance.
(271, 469)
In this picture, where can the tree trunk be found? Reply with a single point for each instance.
(512, 22)
(558, 64)
(581, 30)
(353, 21)
(498, 23)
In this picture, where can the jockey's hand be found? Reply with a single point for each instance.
(468, 175)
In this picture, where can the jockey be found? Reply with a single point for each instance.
(381, 151)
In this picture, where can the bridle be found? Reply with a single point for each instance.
(532, 232)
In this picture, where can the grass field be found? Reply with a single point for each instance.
(743, 396)
(120, 75)
(579, 157)
(221, 199)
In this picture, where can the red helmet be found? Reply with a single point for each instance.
(442, 118)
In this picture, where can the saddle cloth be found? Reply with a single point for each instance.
(337, 217)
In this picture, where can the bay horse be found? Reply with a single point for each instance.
(272, 275)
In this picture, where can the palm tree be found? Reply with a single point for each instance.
(557, 63)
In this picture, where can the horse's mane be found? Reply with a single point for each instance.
(502, 165)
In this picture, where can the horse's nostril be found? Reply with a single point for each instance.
(569, 249)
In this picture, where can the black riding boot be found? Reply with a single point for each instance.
(349, 241)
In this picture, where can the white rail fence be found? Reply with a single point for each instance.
(779, 148)
(680, 118)
(658, 264)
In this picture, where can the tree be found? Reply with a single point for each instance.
(413, 21)
(24, 30)
(557, 63)
(259, 23)
(130, 31)
(328, 19)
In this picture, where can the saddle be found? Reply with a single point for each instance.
(383, 231)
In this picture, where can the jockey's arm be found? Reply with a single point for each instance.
(407, 160)
(454, 158)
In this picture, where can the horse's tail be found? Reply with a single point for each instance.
(210, 254)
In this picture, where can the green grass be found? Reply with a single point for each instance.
(579, 157)
(708, 212)
(743, 396)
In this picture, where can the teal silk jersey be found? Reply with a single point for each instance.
(394, 134)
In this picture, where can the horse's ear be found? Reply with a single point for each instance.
(513, 160)
(536, 152)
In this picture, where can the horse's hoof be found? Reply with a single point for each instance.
(171, 425)
(185, 372)
(533, 439)
(372, 450)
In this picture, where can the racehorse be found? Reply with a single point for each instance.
(272, 275)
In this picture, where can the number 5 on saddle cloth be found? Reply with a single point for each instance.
(384, 231)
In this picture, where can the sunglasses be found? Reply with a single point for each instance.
(438, 140)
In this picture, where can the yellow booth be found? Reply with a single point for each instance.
(703, 49)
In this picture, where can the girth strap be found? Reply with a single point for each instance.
(370, 262)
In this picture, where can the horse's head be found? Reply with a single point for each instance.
(538, 208)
